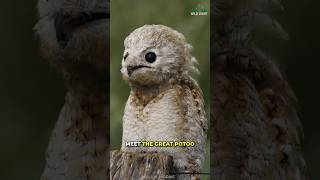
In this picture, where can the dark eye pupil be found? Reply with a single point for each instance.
(151, 57)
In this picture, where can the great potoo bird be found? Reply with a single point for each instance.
(74, 39)
(165, 102)
(256, 129)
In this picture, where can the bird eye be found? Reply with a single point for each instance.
(125, 56)
(151, 57)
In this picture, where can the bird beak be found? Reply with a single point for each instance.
(130, 69)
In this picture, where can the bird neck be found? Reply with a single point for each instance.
(144, 94)
(84, 78)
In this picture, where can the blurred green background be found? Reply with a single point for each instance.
(32, 94)
(127, 15)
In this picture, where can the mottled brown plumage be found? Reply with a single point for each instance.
(74, 39)
(256, 129)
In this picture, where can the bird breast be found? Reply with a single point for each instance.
(156, 121)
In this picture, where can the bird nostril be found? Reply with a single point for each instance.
(125, 56)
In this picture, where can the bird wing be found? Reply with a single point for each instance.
(194, 123)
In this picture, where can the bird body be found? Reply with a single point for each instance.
(73, 36)
(77, 147)
(162, 118)
(165, 103)
(256, 129)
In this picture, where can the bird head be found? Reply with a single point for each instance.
(155, 54)
(74, 30)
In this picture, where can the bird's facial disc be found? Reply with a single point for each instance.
(154, 54)
(149, 65)
(140, 68)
